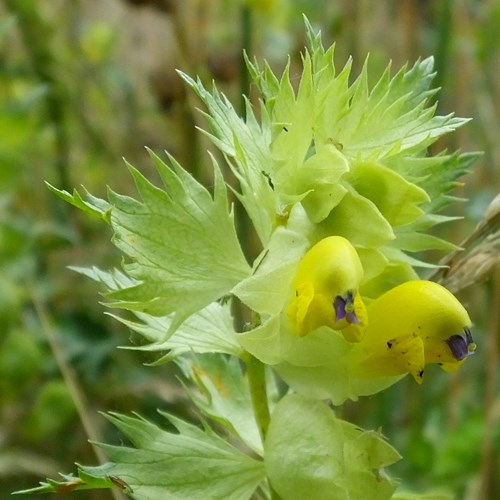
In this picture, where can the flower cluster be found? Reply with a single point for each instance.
(339, 188)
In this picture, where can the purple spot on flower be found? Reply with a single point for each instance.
(461, 346)
(344, 309)
(339, 305)
(352, 318)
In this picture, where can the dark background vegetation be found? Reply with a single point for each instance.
(86, 82)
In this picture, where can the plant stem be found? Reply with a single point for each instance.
(256, 375)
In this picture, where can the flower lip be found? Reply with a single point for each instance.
(344, 308)
(461, 345)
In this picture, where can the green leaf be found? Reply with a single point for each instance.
(224, 395)
(193, 463)
(343, 462)
(247, 143)
(71, 483)
(294, 116)
(397, 256)
(437, 175)
(182, 242)
(209, 330)
(391, 119)
(92, 205)
(113, 280)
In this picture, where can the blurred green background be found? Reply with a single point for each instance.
(86, 82)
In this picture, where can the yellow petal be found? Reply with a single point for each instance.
(414, 324)
(404, 354)
(329, 274)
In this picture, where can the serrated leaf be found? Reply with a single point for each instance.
(249, 144)
(210, 330)
(70, 483)
(182, 242)
(394, 255)
(193, 463)
(224, 395)
(113, 280)
(91, 205)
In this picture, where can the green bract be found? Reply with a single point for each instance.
(355, 470)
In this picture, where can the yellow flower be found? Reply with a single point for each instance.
(414, 324)
(326, 289)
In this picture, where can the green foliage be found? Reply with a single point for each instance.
(304, 428)
(326, 160)
(323, 153)
(190, 463)
(183, 217)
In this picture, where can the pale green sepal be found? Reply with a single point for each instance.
(368, 450)
(267, 290)
(210, 330)
(359, 220)
(91, 205)
(274, 342)
(397, 199)
(332, 380)
(223, 395)
(373, 262)
(264, 342)
(320, 175)
(193, 463)
(301, 427)
(182, 242)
